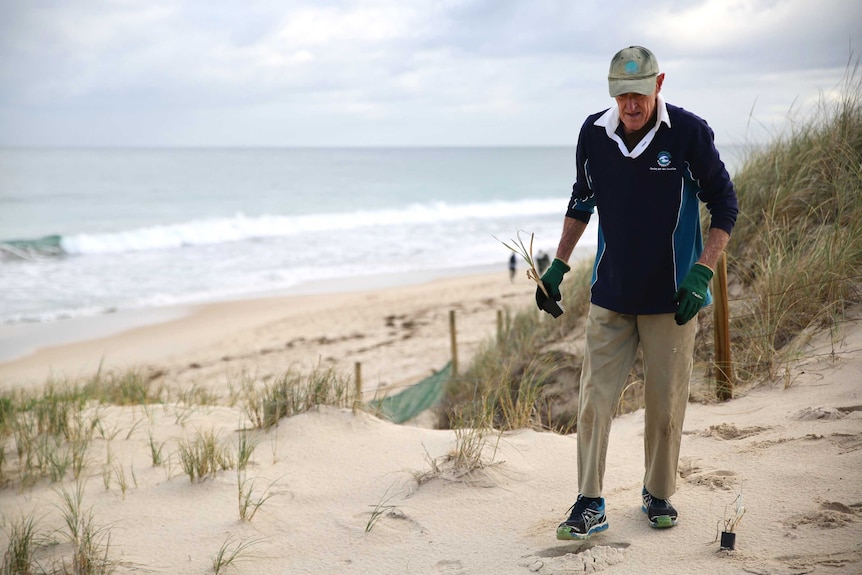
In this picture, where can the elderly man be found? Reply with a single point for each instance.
(644, 166)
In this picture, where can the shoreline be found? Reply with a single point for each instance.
(18, 341)
(377, 320)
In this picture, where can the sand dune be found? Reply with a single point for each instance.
(350, 493)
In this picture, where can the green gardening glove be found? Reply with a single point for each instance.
(551, 279)
(691, 294)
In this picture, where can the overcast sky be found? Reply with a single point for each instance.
(399, 72)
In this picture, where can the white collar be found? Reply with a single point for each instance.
(610, 120)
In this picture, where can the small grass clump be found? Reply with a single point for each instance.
(475, 449)
(231, 552)
(380, 508)
(130, 387)
(18, 559)
(249, 501)
(204, 455)
(295, 392)
(90, 543)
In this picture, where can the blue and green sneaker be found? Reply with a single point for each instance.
(660, 512)
(587, 517)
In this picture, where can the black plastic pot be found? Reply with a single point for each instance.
(728, 540)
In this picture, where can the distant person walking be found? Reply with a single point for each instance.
(644, 165)
(513, 266)
(542, 261)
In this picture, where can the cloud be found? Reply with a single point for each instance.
(785, 35)
(350, 72)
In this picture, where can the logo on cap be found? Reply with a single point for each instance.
(632, 67)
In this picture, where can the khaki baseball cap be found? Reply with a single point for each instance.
(633, 70)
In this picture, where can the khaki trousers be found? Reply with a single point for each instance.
(611, 344)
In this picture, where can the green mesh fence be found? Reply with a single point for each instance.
(416, 398)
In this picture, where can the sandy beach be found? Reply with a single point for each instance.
(399, 334)
(350, 493)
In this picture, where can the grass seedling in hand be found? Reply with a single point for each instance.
(519, 248)
(547, 303)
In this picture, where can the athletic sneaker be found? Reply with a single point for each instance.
(587, 517)
(660, 512)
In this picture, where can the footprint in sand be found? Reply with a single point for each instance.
(830, 515)
(720, 479)
(818, 413)
(692, 472)
(799, 564)
(446, 566)
(729, 431)
(847, 442)
(578, 558)
(689, 466)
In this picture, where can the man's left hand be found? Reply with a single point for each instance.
(691, 294)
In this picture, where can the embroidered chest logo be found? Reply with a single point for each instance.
(663, 160)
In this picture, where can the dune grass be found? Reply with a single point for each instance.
(509, 374)
(19, 555)
(231, 552)
(204, 455)
(48, 435)
(264, 404)
(90, 543)
(796, 251)
(795, 263)
(380, 508)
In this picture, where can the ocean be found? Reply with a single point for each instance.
(90, 232)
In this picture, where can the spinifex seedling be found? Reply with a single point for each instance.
(549, 304)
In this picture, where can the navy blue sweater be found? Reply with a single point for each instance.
(648, 206)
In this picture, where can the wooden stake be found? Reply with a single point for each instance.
(357, 374)
(721, 320)
(454, 341)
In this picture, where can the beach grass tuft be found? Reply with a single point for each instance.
(131, 387)
(474, 450)
(204, 455)
(18, 559)
(294, 392)
(249, 501)
(231, 552)
(380, 508)
(90, 543)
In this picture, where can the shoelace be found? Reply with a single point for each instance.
(581, 499)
